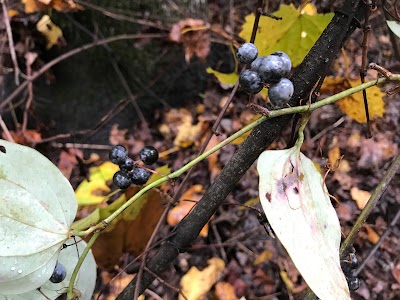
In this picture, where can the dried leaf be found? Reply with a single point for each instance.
(353, 106)
(264, 256)
(195, 284)
(396, 272)
(360, 197)
(28, 138)
(193, 194)
(225, 291)
(50, 30)
(194, 36)
(372, 235)
(67, 161)
(298, 208)
(32, 6)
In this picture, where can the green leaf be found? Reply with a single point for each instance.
(37, 207)
(295, 34)
(394, 27)
(296, 203)
(85, 281)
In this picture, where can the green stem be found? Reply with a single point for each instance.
(272, 114)
(70, 292)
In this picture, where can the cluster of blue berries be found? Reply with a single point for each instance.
(270, 70)
(130, 172)
(349, 265)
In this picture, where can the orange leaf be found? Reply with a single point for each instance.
(360, 197)
(373, 236)
(224, 291)
(193, 194)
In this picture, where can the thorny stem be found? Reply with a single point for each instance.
(272, 114)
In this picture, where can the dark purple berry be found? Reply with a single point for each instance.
(270, 68)
(280, 93)
(286, 59)
(139, 176)
(59, 273)
(128, 164)
(353, 282)
(148, 155)
(250, 82)
(247, 53)
(122, 180)
(118, 154)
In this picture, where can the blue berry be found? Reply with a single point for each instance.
(59, 273)
(247, 53)
(139, 176)
(286, 59)
(353, 282)
(122, 180)
(127, 165)
(118, 154)
(148, 155)
(280, 93)
(250, 82)
(271, 68)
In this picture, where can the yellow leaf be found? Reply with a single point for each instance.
(309, 9)
(228, 79)
(360, 197)
(12, 13)
(195, 284)
(263, 257)
(50, 30)
(95, 190)
(295, 34)
(334, 155)
(353, 106)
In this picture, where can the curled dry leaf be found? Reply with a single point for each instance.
(297, 205)
(51, 31)
(194, 36)
(195, 284)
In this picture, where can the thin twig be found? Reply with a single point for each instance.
(6, 131)
(10, 41)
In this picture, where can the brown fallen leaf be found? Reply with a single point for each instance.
(29, 138)
(32, 6)
(193, 34)
(396, 271)
(67, 161)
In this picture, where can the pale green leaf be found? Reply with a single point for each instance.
(37, 206)
(295, 34)
(85, 281)
(296, 203)
(394, 27)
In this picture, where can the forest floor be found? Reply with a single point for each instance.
(250, 263)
